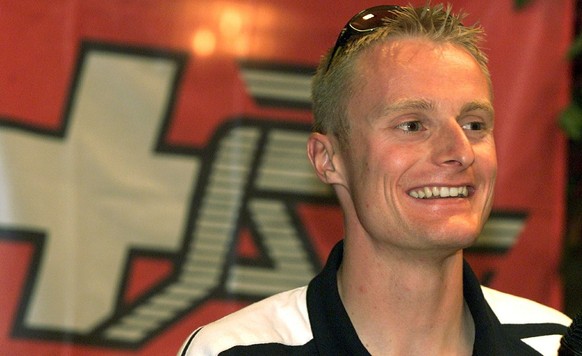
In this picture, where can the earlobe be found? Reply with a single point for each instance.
(321, 153)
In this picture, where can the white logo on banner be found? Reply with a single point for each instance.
(102, 189)
(99, 190)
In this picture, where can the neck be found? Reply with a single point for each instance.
(405, 304)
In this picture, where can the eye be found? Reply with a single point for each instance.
(474, 126)
(411, 126)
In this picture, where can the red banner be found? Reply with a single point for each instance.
(153, 174)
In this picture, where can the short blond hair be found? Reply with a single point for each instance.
(333, 84)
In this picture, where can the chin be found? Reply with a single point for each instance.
(457, 238)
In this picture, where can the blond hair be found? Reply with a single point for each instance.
(334, 83)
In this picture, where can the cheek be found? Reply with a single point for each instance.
(487, 161)
(399, 165)
(374, 161)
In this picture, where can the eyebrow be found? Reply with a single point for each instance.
(426, 105)
(478, 105)
(408, 104)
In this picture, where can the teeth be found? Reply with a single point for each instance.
(445, 192)
(439, 192)
(427, 192)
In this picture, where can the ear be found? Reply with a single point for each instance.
(323, 157)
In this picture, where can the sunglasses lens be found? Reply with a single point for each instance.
(363, 23)
(372, 18)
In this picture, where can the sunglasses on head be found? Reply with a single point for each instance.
(362, 23)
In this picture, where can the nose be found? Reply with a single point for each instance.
(452, 147)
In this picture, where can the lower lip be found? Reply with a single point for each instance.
(449, 200)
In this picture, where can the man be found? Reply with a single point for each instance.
(404, 134)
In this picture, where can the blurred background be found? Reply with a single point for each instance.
(571, 123)
(153, 174)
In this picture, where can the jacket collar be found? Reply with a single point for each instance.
(334, 333)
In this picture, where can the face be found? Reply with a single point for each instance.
(419, 168)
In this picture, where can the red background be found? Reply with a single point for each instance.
(40, 42)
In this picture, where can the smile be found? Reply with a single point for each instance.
(439, 192)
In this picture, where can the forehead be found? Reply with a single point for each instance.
(400, 68)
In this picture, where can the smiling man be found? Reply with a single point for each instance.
(404, 134)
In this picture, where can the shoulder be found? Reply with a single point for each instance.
(538, 324)
(511, 309)
(281, 319)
